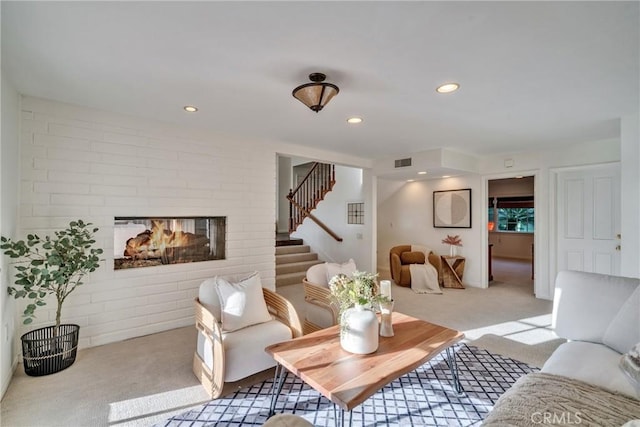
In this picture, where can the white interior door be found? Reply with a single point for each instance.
(589, 219)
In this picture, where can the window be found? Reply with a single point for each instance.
(514, 214)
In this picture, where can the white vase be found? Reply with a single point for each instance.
(359, 330)
(452, 250)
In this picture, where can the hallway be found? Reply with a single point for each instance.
(512, 272)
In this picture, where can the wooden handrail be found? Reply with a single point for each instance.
(322, 225)
(309, 192)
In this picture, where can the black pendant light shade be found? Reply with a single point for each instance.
(316, 94)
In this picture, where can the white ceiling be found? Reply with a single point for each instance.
(532, 74)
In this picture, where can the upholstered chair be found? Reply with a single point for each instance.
(236, 318)
(320, 311)
(400, 257)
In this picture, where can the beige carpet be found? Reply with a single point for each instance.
(145, 380)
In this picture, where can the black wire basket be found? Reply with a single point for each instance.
(44, 352)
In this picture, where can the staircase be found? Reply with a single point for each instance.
(292, 262)
(314, 186)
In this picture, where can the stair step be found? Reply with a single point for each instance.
(298, 257)
(295, 267)
(298, 249)
(289, 279)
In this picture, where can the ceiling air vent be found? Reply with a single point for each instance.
(401, 163)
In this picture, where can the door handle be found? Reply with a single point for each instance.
(618, 247)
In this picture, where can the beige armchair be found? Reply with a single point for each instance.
(400, 257)
(230, 356)
(320, 310)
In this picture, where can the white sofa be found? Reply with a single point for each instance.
(599, 315)
(582, 381)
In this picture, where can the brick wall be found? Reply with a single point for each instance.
(83, 163)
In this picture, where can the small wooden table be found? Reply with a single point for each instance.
(349, 379)
(452, 271)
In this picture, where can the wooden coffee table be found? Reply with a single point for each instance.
(349, 379)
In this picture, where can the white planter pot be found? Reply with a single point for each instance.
(359, 330)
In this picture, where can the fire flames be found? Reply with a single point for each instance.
(171, 246)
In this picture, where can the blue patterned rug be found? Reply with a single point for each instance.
(423, 397)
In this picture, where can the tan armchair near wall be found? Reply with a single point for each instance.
(400, 257)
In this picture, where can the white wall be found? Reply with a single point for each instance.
(9, 149)
(406, 217)
(82, 163)
(284, 185)
(630, 192)
(352, 185)
(544, 165)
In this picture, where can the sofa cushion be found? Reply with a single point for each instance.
(334, 269)
(317, 274)
(585, 304)
(624, 331)
(412, 258)
(242, 303)
(208, 296)
(244, 349)
(594, 364)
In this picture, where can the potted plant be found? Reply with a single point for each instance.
(51, 266)
(355, 296)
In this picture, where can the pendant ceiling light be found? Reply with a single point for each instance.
(316, 94)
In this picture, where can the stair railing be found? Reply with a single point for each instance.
(310, 191)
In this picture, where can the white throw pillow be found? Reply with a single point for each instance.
(333, 269)
(242, 303)
(624, 330)
(208, 296)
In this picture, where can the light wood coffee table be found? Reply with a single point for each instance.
(349, 379)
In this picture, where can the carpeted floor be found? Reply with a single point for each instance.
(423, 397)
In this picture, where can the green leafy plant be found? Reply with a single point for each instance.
(359, 288)
(52, 265)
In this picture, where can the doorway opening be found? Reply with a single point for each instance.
(511, 213)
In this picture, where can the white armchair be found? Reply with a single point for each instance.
(320, 311)
(227, 350)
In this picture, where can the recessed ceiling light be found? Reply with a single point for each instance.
(410, 180)
(354, 120)
(448, 88)
(422, 173)
(519, 177)
(190, 108)
(446, 176)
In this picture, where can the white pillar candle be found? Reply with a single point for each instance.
(385, 288)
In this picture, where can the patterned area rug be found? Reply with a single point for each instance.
(423, 397)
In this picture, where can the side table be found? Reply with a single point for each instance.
(452, 271)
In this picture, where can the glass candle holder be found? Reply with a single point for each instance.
(386, 325)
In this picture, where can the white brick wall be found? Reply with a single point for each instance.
(83, 163)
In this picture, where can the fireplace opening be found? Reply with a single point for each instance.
(146, 242)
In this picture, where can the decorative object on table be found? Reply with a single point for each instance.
(359, 330)
(452, 208)
(55, 266)
(356, 295)
(386, 324)
(453, 242)
(385, 288)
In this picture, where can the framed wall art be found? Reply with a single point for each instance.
(452, 208)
